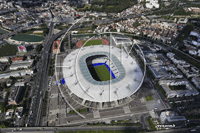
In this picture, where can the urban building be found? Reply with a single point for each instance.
(172, 118)
(18, 73)
(158, 71)
(21, 64)
(14, 59)
(4, 59)
(9, 113)
(196, 81)
(22, 49)
(156, 58)
(118, 40)
(56, 46)
(19, 112)
(13, 97)
(181, 87)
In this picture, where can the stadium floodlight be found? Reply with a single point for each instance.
(102, 92)
(128, 86)
(76, 83)
(136, 80)
(116, 91)
(87, 89)
(71, 74)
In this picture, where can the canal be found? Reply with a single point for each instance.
(27, 38)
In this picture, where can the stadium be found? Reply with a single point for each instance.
(101, 76)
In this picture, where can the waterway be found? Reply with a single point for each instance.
(3, 31)
(27, 38)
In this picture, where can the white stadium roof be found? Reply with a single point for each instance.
(81, 83)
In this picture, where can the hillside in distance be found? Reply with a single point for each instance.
(109, 6)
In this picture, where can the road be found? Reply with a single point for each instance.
(45, 55)
(92, 128)
(87, 128)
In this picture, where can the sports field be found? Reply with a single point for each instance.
(92, 42)
(103, 73)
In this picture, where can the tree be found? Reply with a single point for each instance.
(2, 125)
(39, 48)
(2, 107)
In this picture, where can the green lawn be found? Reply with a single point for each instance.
(149, 98)
(185, 32)
(92, 42)
(8, 50)
(105, 131)
(103, 73)
(179, 87)
(151, 124)
(85, 110)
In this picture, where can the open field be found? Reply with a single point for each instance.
(103, 73)
(92, 42)
(8, 50)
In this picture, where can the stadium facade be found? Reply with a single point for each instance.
(126, 76)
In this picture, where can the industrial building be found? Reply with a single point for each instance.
(121, 40)
(18, 73)
(172, 118)
(21, 64)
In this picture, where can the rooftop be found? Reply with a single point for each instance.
(81, 83)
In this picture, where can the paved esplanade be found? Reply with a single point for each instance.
(79, 80)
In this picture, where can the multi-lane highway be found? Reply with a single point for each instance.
(93, 128)
(45, 55)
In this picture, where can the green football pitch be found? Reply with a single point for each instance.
(103, 73)
(92, 42)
